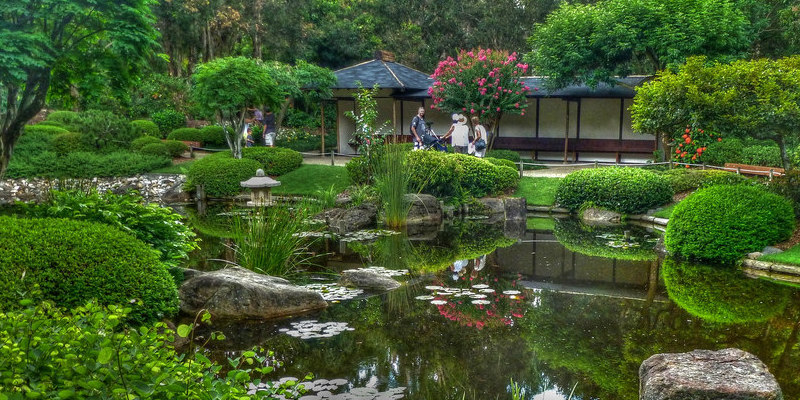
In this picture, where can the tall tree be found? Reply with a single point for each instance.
(37, 36)
(600, 42)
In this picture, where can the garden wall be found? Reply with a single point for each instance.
(161, 188)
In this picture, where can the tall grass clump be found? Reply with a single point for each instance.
(392, 183)
(270, 240)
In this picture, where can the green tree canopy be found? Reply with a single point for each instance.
(748, 98)
(599, 42)
(38, 38)
(227, 87)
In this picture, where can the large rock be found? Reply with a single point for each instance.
(508, 208)
(369, 280)
(237, 293)
(599, 216)
(424, 210)
(729, 374)
(343, 220)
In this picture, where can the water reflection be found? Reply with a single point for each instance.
(583, 321)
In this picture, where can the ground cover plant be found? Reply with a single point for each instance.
(791, 256)
(87, 353)
(723, 223)
(73, 262)
(310, 179)
(538, 191)
(160, 227)
(625, 190)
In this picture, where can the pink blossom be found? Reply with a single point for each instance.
(472, 111)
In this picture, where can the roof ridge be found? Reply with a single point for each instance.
(356, 65)
(402, 85)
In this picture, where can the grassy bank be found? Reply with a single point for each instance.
(538, 191)
(311, 178)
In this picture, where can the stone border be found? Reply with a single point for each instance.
(161, 188)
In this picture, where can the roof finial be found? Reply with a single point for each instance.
(384, 55)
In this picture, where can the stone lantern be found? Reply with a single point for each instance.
(261, 186)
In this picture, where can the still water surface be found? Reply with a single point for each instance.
(565, 311)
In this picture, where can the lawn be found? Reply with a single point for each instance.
(540, 224)
(311, 178)
(791, 256)
(538, 191)
(666, 212)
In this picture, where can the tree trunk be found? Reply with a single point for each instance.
(257, 6)
(282, 114)
(494, 130)
(20, 110)
(787, 164)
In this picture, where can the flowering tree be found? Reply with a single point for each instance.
(690, 144)
(484, 83)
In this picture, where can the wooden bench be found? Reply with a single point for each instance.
(754, 170)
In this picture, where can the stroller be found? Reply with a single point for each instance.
(431, 141)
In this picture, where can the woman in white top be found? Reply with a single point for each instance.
(480, 133)
(459, 134)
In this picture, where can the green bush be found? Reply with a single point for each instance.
(44, 129)
(358, 170)
(105, 130)
(723, 223)
(73, 262)
(454, 175)
(767, 156)
(160, 227)
(302, 140)
(108, 360)
(722, 295)
(788, 186)
(683, 180)
(625, 190)
(145, 127)
(188, 134)
(66, 118)
(79, 164)
(502, 162)
(274, 160)
(64, 143)
(138, 143)
(729, 150)
(176, 148)
(155, 149)
(168, 120)
(52, 123)
(434, 173)
(509, 155)
(213, 136)
(220, 174)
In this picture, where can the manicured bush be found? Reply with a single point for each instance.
(509, 155)
(433, 173)
(358, 170)
(767, 156)
(64, 143)
(220, 174)
(81, 164)
(301, 139)
(105, 130)
(158, 226)
(52, 123)
(145, 127)
(507, 180)
(39, 128)
(155, 149)
(727, 151)
(501, 162)
(188, 134)
(176, 148)
(213, 136)
(67, 118)
(625, 190)
(722, 294)
(723, 223)
(138, 143)
(682, 179)
(274, 160)
(168, 120)
(788, 186)
(73, 262)
(478, 177)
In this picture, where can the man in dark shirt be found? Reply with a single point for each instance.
(418, 127)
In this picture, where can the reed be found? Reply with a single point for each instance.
(392, 183)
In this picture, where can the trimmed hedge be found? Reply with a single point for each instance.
(723, 223)
(509, 155)
(64, 117)
(48, 129)
(145, 127)
(76, 261)
(434, 173)
(138, 143)
(683, 180)
(502, 162)
(274, 160)
(788, 186)
(220, 174)
(64, 143)
(168, 120)
(52, 123)
(176, 148)
(155, 149)
(625, 190)
(722, 295)
(213, 137)
(83, 165)
(188, 134)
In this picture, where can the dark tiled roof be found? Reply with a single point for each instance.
(386, 74)
(622, 90)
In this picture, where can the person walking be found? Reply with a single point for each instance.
(479, 141)
(458, 134)
(418, 128)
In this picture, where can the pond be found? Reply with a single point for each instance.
(562, 309)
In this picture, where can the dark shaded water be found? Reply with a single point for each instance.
(542, 309)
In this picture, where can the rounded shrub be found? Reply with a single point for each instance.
(64, 143)
(358, 170)
(188, 134)
(155, 149)
(66, 118)
(213, 136)
(501, 162)
(220, 174)
(145, 127)
(509, 155)
(176, 148)
(625, 190)
(764, 155)
(433, 173)
(274, 160)
(723, 223)
(729, 150)
(43, 129)
(52, 123)
(722, 295)
(140, 142)
(168, 120)
(683, 180)
(478, 177)
(73, 262)
(788, 186)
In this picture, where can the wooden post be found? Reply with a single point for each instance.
(566, 135)
(333, 158)
(704, 166)
(521, 168)
(322, 117)
(595, 164)
(771, 173)
(738, 170)
(671, 166)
